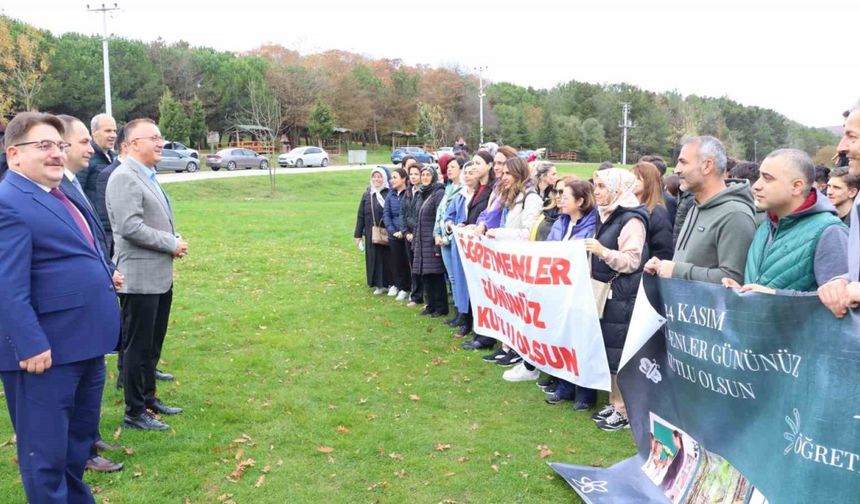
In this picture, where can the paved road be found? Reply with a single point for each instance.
(168, 178)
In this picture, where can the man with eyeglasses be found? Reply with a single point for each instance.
(58, 314)
(145, 245)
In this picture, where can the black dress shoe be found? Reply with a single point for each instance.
(426, 311)
(438, 314)
(455, 320)
(475, 345)
(118, 384)
(102, 445)
(163, 409)
(161, 375)
(101, 464)
(144, 421)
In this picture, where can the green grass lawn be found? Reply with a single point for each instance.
(288, 367)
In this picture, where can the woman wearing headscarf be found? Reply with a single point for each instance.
(426, 256)
(455, 216)
(371, 213)
(618, 252)
(450, 166)
(401, 269)
(649, 191)
(577, 220)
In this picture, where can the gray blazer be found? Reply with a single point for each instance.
(143, 233)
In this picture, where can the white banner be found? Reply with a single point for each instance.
(536, 297)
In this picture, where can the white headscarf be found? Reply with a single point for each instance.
(620, 185)
(378, 191)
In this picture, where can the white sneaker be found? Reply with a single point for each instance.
(392, 291)
(520, 373)
(402, 295)
(377, 291)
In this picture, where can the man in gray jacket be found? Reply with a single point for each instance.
(719, 228)
(145, 244)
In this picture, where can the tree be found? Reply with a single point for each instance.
(24, 56)
(197, 129)
(594, 141)
(264, 110)
(548, 133)
(321, 122)
(172, 121)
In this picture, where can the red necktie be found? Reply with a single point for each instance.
(76, 215)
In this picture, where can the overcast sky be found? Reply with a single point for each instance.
(800, 58)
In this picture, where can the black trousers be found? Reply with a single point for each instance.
(401, 269)
(416, 292)
(144, 321)
(435, 293)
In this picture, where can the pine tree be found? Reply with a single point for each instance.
(322, 121)
(172, 121)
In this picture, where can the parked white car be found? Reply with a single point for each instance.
(304, 156)
(181, 149)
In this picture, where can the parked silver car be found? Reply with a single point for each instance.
(177, 161)
(236, 158)
(182, 149)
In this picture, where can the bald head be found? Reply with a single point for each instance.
(103, 127)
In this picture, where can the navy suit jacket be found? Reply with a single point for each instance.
(56, 291)
(101, 191)
(86, 208)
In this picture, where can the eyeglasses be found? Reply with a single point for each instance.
(153, 139)
(558, 192)
(46, 145)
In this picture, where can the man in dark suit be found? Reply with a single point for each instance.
(77, 156)
(146, 244)
(58, 314)
(104, 138)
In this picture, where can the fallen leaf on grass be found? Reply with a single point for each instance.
(325, 449)
(343, 430)
(524, 474)
(414, 397)
(128, 451)
(383, 484)
(117, 433)
(138, 472)
(544, 451)
(549, 477)
(401, 473)
(395, 456)
(462, 459)
(12, 440)
(260, 481)
(240, 469)
(442, 447)
(224, 497)
(495, 468)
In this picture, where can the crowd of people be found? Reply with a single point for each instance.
(88, 244)
(778, 227)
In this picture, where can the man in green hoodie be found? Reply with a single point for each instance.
(801, 244)
(719, 228)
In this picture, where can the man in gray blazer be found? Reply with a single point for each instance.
(145, 244)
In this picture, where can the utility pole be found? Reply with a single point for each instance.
(105, 58)
(625, 125)
(755, 151)
(481, 101)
